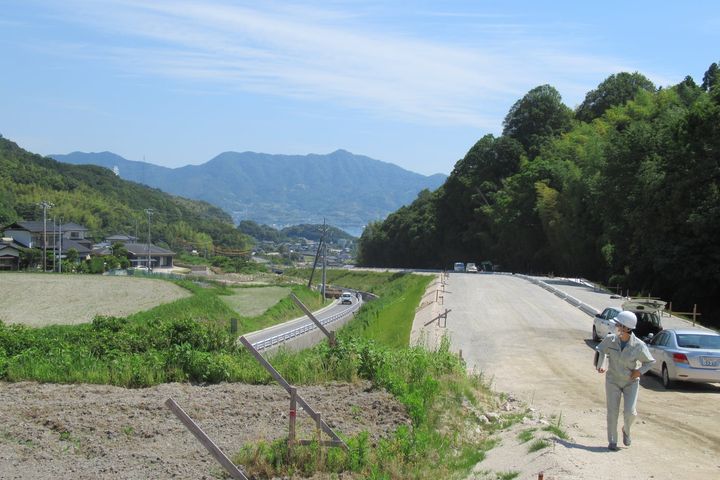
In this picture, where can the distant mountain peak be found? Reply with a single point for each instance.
(346, 189)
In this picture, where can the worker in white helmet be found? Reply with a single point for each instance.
(627, 358)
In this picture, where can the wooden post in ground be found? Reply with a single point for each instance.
(293, 418)
(214, 450)
(694, 312)
(318, 435)
(336, 440)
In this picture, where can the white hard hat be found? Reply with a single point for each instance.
(626, 319)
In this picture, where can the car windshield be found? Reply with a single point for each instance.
(699, 341)
(648, 318)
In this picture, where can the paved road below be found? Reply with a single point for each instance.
(301, 332)
(533, 344)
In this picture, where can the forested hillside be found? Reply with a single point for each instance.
(624, 190)
(106, 204)
(307, 231)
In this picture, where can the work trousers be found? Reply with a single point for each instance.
(613, 392)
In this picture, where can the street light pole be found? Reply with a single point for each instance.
(149, 212)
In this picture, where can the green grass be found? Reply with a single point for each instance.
(389, 319)
(507, 475)
(556, 429)
(538, 444)
(526, 435)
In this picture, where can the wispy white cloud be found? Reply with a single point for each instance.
(303, 51)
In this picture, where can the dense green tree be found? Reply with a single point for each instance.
(688, 90)
(536, 118)
(615, 90)
(711, 77)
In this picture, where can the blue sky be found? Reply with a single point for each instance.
(411, 83)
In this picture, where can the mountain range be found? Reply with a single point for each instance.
(344, 189)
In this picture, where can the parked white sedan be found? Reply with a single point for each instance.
(689, 355)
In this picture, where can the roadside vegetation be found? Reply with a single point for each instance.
(185, 340)
(189, 340)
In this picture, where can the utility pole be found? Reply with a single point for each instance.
(324, 250)
(45, 205)
(149, 212)
(60, 249)
(54, 244)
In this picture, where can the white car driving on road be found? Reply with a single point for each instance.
(346, 298)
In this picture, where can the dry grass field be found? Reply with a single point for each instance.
(37, 299)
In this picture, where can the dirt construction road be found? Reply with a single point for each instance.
(536, 346)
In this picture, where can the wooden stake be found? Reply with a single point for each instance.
(214, 450)
(331, 338)
(293, 418)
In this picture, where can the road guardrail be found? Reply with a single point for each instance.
(285, 336)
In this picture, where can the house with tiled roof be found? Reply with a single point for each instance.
(9, 254)
(34, 234)
(149, 255)
(53, 237)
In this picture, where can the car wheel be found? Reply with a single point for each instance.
(595, 335)
(667, 383)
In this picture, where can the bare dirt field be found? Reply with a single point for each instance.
(37, 299)
(52, 431)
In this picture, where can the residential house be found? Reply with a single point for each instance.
(9, 254)
(120, 238)
(52, 237)
(140, 253)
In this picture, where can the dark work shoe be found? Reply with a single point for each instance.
(626, 438)
(613, 447)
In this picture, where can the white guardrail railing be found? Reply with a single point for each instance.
(296, 332)
(590, 310)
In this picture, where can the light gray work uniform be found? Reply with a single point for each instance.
(621, 361)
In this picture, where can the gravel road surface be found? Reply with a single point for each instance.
(532, 344)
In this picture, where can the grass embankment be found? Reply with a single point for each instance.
(389, 319)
